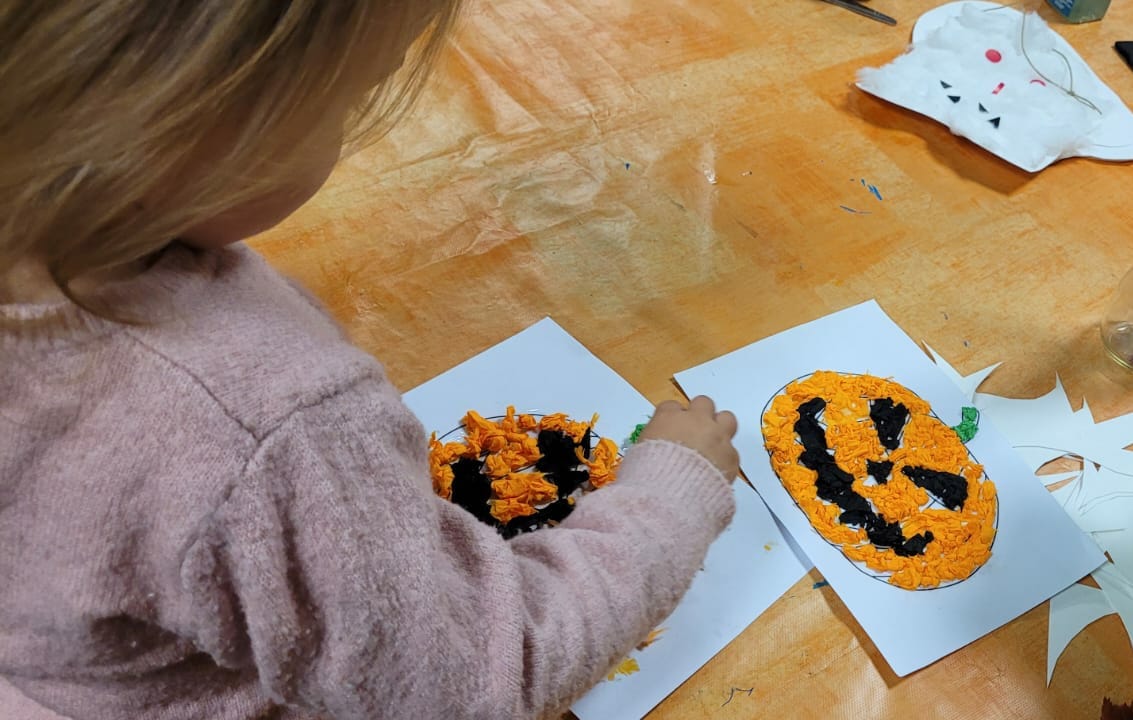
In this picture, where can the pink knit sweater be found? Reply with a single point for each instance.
(226, 513)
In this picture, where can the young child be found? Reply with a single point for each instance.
(211, 504)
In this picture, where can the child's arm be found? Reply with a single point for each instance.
(363, 595)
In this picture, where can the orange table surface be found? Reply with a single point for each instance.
(666, 180)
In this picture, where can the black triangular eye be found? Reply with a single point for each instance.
(954, 98)
(994, 121)
(982, 108)
(944, 85)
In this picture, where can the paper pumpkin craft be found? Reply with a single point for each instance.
(520, 472)
(882, 478)
(1007, 82)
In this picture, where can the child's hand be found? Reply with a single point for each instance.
(700, 428)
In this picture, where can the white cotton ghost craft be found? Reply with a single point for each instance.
(969, 72)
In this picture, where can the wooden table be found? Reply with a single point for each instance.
(665, 178)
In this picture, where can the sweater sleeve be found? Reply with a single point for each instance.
(356, 592)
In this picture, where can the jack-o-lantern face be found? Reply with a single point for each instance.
(882, 478)
(520, 472)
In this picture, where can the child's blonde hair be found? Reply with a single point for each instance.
(126, 122)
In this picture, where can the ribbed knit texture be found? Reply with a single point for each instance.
(226, 513)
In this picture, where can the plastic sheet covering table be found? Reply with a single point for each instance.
(673, 179)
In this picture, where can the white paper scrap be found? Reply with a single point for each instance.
(968, 384)
(1070, 612)
(1119, 591)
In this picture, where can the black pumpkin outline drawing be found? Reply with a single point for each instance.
(523, 525)
(860, 566)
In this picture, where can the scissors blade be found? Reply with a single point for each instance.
(860, 9)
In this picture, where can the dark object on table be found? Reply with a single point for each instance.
(1080, 11)
(1124, 48)
(860, 9)
(1116, 712)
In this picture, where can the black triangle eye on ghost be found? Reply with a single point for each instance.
(957, 98)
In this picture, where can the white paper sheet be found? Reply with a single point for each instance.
(740, 578)
(1038, 552)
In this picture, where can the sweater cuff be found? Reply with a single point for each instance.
(675, 471)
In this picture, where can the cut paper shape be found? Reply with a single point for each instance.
(1119, 591)
(1039, 551)
(1119, 545)
(1112, 436)
(1094, 509)
(968, 384)
(736, 584)
(1049, 479)
(1098, 499)
(1047, 102)
(1107, 516)
(1038, 425)
(1101, 485)
(1071, 611)
(1047, 428)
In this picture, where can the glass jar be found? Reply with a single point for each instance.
(1117, 325)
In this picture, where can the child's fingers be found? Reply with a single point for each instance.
(728, 421)
(667, 407)
(703, 405)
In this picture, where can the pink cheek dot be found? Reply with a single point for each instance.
(998, 89)
(993, 55)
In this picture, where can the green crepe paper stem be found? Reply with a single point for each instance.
(636, 434)
(969, 424)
